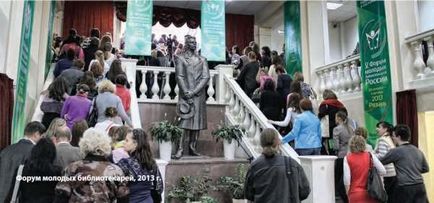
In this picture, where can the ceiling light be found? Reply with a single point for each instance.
(333, 6)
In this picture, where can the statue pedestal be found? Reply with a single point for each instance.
(320, 171)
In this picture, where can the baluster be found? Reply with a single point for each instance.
(143, 87)
(155, 89)
(354, 72)
(231, 103)
(167, 86)
(228, 94)
(430, 61)
(236, 109)
(242, 113)
(335, 80)
(252, 127)
(246, 122)
(211, 90)
(329, 83)
(340, 79)
(348, 80)
(322, 87)
(176, 92)
(418, 63)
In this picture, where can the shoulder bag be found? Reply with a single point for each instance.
(375, 183)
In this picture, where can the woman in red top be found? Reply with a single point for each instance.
(123, 92)
(356, 167)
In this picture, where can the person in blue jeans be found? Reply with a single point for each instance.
(306, 131)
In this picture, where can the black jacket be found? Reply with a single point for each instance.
(268, 181)
(271, 104)
(10, 158)
(247, 78)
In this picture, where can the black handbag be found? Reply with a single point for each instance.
(375, 183)
(92, 118)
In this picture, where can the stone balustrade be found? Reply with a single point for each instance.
(341, 76)
(243, 112)
(158, 85)
(418, 44)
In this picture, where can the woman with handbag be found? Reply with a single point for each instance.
(148, 185)
(357, 165)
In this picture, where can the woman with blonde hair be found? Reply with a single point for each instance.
(99, 58)
(57, 123)
(361, 131)
(95, 147)
(107, 98)
(356, 168)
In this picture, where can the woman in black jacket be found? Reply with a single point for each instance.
(271, 103)
(40, 164)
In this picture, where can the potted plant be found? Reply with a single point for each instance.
(234, 185)
(165, 133)
(192, 189)
(230, 135)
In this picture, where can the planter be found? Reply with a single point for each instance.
(165, 150)
(239, 201)
(229, 149)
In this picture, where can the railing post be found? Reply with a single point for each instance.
(130, 69)
(220, 87)
(320, 171)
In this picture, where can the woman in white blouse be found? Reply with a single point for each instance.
(293, 105)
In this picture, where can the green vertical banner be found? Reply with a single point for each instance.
(18, 122)
(292, 29)
(49, 55)
(374, 58)
(213, 30)
(138, 28)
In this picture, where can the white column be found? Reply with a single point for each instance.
(320, 171)
(155, 89)
(130, 68)
(220, 83)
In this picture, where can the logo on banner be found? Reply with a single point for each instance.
(375, 38)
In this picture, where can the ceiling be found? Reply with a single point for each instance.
(343, 13)
(234, 6)
(266, 12)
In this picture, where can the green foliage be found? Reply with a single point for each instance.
(165, 131)
(207, 199)
(234, 185)
(191, 188)
(228, 133)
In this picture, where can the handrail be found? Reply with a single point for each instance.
(38, 114)
(419, 36)
(258, 116)
(334, 64)
(167, 69)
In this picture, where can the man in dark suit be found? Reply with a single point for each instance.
(14, 155)
(65, 152)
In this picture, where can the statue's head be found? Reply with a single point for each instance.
(190, 43)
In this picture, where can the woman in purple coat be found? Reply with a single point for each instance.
(76, 107)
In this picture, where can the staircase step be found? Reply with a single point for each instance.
(202, 166)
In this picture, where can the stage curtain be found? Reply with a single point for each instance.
(239, 30)
(6, 109)
(85, 15)
(406, 113)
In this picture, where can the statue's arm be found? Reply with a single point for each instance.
(204, 79)
(180, 74)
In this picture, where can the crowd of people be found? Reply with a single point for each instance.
(86, 131)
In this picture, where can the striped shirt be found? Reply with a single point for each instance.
(384, 145)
